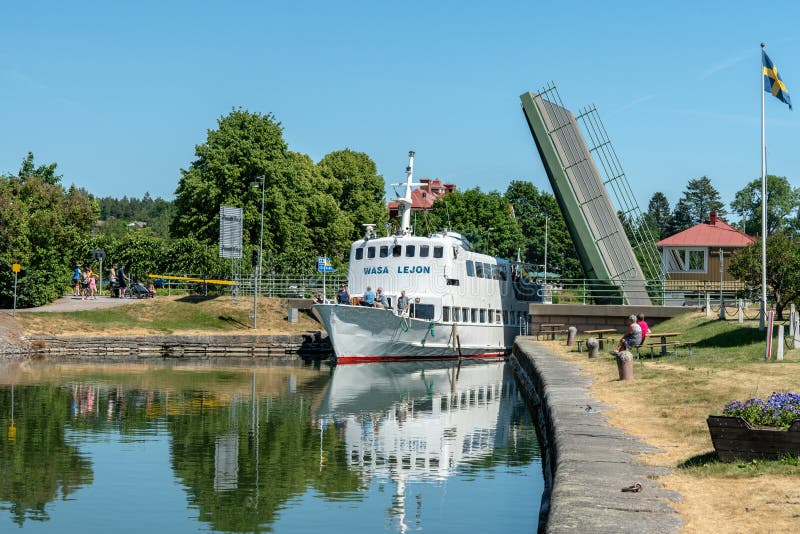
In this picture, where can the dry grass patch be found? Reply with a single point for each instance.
(170, 315)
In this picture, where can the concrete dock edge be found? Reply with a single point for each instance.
(586, 461)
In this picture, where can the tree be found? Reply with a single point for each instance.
(699, 199)
(782, 202)
(531, 206)
(783, 269)
(472, 213)
(42, 227)
(245, 145)
(658, 215)
(302, 217)
(360, 189)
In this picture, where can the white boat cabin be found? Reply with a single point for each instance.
(446, 281)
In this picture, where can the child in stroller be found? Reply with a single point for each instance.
(140, 291)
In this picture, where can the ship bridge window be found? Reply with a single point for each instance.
(384, 252)
(410, 250)
(464, 315)
(479, 269)
(483, 315)
(371, 252)
(359, 253)
(438, 252)
(446, 314)
(422, 311)
(473, 313)
(424, 251)
(503, 274)
(397, 251)
(470, 268)
(487, 270)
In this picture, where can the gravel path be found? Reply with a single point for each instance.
(70, 303)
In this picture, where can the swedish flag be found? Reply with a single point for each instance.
(772, 81)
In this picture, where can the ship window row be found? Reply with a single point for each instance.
(396, 251)
(456, 314)
(480, 269)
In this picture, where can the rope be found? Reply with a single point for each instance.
(404, 324)
(430, 327)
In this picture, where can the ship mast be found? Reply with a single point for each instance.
(404, 202)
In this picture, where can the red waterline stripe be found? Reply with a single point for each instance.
(374, 359)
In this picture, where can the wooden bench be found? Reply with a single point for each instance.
(663, 346)
(551, 330)
(674, 344)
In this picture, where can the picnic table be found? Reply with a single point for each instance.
(550, 328)
(664, 343)
(599, 334)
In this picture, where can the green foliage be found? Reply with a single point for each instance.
(41, 465)
(782, 202)
(358, 186)
(531, 206)
(658, 216)
(472, 213)
(699, 199)
(117, 213)
(42, 227)
(304, 205)
(783, 269)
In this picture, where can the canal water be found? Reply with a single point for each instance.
(430, 447)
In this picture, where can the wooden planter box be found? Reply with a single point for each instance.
(736, 439)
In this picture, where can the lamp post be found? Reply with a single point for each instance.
(257, 275)
(546, 220)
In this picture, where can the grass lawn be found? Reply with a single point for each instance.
(667, 405)
(170, 315)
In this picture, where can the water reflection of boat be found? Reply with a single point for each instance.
(419, 421)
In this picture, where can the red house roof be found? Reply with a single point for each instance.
(422, 198)
(712, 233)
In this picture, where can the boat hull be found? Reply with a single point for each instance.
(362, 334)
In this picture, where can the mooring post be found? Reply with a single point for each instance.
(779, 354)
(592, 346)
(792, 313)
(572, 333)
(796, 337)
(708, 305)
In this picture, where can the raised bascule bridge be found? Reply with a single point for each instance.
(581, 176)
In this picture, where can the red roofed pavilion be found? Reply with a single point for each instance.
(694, 254)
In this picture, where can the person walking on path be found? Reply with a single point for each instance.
(92, 285)
(76, 281)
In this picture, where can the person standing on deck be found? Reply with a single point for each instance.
(342, 297)
(402, 303)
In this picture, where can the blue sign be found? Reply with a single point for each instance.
(324, 265)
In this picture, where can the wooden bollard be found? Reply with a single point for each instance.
(625, 365)
(572, 333)
(592, 345)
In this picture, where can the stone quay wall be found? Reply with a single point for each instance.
(586, 461)
(288, 346)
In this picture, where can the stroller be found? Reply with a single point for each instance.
(140, 291)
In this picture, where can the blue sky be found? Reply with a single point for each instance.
(118, 94)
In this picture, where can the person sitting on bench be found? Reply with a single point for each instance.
(632, 338)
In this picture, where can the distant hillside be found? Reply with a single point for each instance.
(117, 213)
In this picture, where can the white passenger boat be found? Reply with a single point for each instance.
(462, 303)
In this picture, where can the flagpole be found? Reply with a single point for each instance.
(762, 315)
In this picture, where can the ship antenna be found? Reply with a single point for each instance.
(404, 202)
(447, 211)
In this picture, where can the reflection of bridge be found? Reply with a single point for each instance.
(413, 422)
